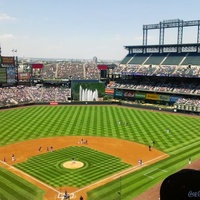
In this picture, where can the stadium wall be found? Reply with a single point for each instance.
(118, 103)
(158, 98)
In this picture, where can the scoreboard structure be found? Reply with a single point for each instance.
(3, 75)
(8, 70)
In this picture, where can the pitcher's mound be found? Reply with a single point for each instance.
(73, 165)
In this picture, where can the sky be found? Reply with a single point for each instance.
(82, 29)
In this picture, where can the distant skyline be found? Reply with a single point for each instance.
(82, 29)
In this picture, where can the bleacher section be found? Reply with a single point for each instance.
(155, 59)
(127, 58)
(66, 70)
(165, 71)
(192, 59)
(162, 59)
(165, 87)
(139, 59)
(10, 96)
(174, 59)
(146, 70)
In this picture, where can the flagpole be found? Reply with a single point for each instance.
(14, 51)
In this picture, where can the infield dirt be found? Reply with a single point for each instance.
(129, 152)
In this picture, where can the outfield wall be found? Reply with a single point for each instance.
(143, 97)
(119, 103)
(146, 96)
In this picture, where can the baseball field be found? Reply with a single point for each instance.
(91, 151)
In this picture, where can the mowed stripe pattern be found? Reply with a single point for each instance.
(133, 184)
(140, 126)
(48, 167)
(13, 187)
(143, 126)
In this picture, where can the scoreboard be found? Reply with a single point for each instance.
(7, 69)
(3, 75)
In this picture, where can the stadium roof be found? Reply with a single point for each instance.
(167, 48)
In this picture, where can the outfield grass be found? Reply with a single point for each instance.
(137, 182)
(15, 188)
(143, 127)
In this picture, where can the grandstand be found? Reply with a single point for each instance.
(160, 59)
(158, 74)
(171, 70)
(149, 74)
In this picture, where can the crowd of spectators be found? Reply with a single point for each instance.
(155, 70)
(188, 101)
(87, 70)
(48, 71)
(167, 87)
(188, 104)
(83, 71)
(66, 70)
(91, 72)
(14, 96)
(10, 96)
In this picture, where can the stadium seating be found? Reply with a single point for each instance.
(155, 59)
(127, 58)
(192, 59)
(11, 96)
(139, 59)
(174, 59)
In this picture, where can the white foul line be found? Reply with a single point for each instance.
(16, 169)
(127, 171)
(120, 173)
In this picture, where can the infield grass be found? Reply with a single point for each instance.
(142, 126)
(49, 168)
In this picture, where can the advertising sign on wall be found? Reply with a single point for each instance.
(129, 93)
(152, 96)
(174, 99)
(24, 76)
(109, 91)
(164, 97)
(119, 93)
(140, 95)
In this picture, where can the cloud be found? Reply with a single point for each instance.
(7, 36)
(5, 17)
